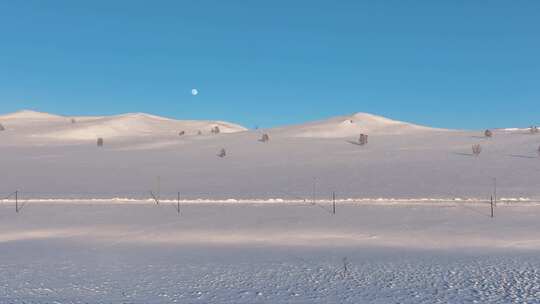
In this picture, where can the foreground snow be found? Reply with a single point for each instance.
(409, 278)
(269, 253)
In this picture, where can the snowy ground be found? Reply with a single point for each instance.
(247, 232)
(447, 252)
(400, 161)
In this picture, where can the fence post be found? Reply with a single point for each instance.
(492, 206)
(178, 204)
(333, 202)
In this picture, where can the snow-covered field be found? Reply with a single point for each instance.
(48, 156)
(269, 253)
(412, 224)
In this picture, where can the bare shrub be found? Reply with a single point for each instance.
(476, 149)
(215, 130)
(73, 121)
(199, 132)
(363, 139)
(181, 133)
(222, 153)
(533, 129)
(488, 133)
(2, 128)
(265, 138)
(100, 142)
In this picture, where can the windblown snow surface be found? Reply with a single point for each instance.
(412, 222)
(269, 253)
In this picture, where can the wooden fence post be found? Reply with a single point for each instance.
(178, 204)
(333, 202)
(492, 206)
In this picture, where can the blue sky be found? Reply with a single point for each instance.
(456, 64)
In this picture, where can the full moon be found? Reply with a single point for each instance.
(194, 92)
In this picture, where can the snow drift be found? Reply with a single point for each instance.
(352, 125)
(132, 125)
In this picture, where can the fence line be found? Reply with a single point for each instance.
(172, 197)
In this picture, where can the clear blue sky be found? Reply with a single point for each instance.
(459, 64)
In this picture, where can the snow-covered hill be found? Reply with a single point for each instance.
(30, 124)
(46, 155)
(352, 125)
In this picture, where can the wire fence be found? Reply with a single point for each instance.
(280, 195)
(325, 202)
(317, 196)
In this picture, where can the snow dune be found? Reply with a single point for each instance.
(352, 125)
(25, 116)
(133, 125)
(36, 125)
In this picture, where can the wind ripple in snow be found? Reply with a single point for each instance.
(454, 280)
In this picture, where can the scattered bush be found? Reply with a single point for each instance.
(2, 127)
(265, 138)
(476, 149)
(181, 133)
(222, 153)
(538, 151)
(488, 133)
(199, 132)
(363, 139)
(73, 121)
(533, 129)
(100, 142)
(215, 130)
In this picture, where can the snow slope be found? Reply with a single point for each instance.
(352, 125)
(48, 156)
(42, 126)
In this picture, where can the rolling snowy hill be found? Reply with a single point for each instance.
(352, 125)
(49, 156)
(35, 125)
